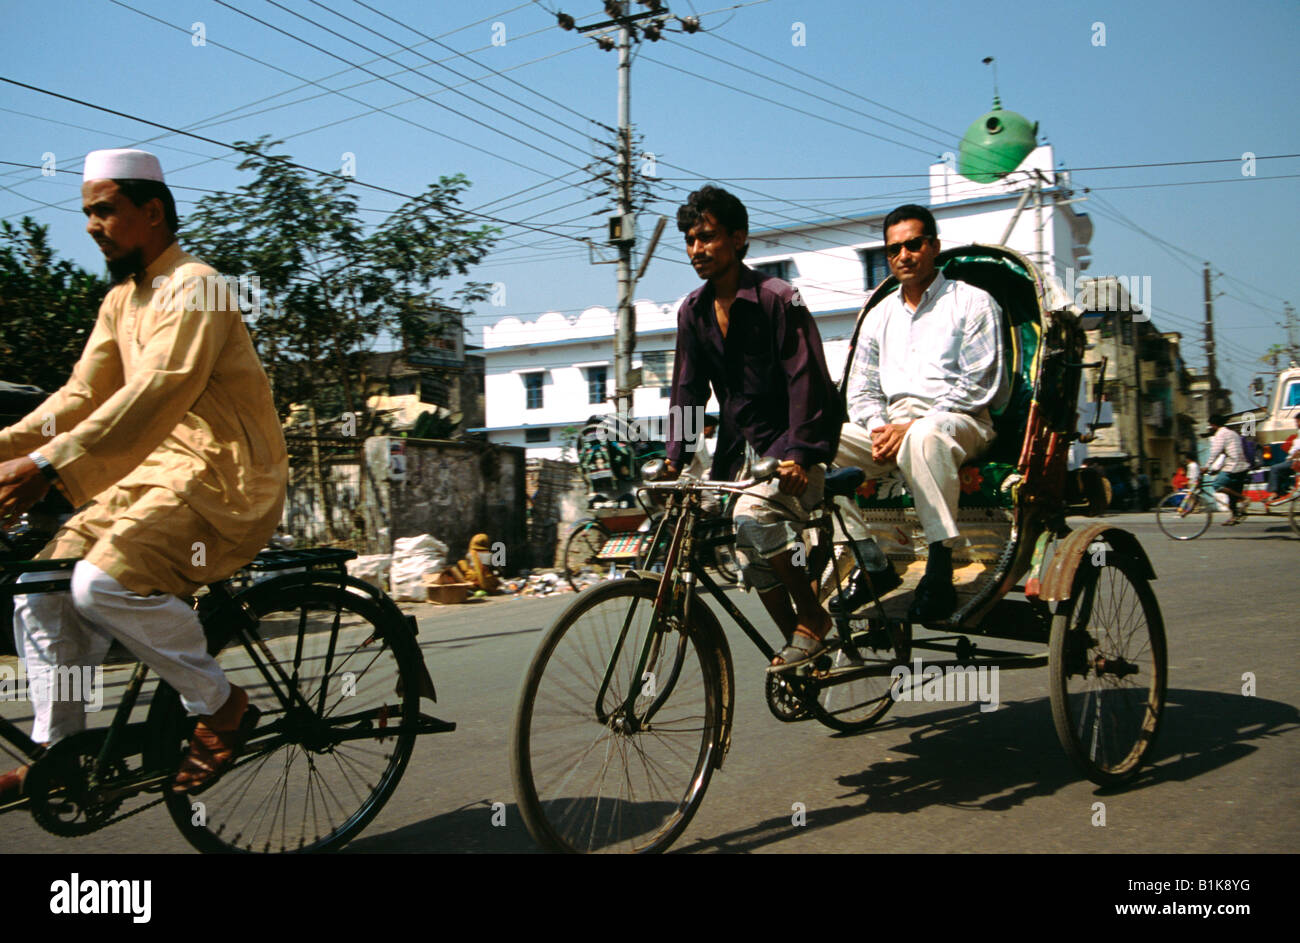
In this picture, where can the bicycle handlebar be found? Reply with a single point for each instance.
(653, 471)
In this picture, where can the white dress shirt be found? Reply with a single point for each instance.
(947, 352)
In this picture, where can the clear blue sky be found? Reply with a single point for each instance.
(1174, 81)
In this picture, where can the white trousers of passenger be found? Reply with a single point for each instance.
(75, 629)
(933, 449)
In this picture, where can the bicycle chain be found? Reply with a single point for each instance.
(39, 805)
(103, 825)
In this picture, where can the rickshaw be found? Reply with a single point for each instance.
(618, 533)
(627, 706)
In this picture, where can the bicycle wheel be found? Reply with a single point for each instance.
(1187, 518)
(582, 549)
(1107, 667)
(725, 563)
(1294, 516)
(586, 781)
(336, 730)
(855, 705)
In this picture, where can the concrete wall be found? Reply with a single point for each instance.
(452, 490)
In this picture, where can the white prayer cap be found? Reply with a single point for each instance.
(122, 163)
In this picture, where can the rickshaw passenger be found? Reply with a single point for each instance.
(1279, 473)
(754, 341)
(927, 369)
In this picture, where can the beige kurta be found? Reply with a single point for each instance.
(167, 427)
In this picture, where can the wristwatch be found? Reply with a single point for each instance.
(49, 471)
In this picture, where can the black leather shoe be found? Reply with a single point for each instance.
(858, 593)
(934, 601)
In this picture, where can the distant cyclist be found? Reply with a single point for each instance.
(1229, 460)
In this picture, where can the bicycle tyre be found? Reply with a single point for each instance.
(374, 676)
(582, 548)
(1180, 523)
(855, 705)
(1294, 516)
(557, 713)
(1106, 724)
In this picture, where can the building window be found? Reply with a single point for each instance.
(596, 385)
(782, 269)
(434, 391)
(537, 435)
(875, 267)
(533, 390)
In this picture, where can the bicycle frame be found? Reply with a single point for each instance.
(682, 573)
(219, 606)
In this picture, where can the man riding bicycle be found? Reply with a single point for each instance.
(1229, 460)
(167, 438)
(754, 341)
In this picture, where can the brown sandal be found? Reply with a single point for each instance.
(213, 752)
(11, 785)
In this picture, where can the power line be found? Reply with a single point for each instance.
(795, 108)
(396, 84)
(1191, 183)
(547, 98)
(1058, 170)
(252, 152)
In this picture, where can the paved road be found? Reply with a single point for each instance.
(929, 778)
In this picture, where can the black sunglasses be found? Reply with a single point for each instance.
(911, 245)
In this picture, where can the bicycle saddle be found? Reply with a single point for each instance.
(844, 481)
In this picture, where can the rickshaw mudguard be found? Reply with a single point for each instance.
(715, 641)
(1081, 544)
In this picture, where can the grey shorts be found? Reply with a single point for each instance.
(766, 528)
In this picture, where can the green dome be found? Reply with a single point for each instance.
(996, 144)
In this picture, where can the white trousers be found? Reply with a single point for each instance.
(75, 629)
(933, 449)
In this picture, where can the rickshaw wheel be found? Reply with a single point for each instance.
(1107, 664)
(582, 548)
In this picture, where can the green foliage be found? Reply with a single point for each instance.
(47, 307)
(333, 289)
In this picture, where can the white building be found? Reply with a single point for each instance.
(545, 377)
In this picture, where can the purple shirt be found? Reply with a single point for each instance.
(769, 374)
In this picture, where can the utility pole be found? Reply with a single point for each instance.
(622, 227)
(1209, 338)
(1293, 348)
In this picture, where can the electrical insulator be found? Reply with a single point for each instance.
(614, 8)
(605, 42)
(566, 21)
(653, 31)
(690, 24)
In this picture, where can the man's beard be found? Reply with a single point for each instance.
(120, 269)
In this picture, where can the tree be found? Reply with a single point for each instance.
(330, 290)
(47, 307)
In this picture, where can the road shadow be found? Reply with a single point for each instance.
(999, 760)
(470, 829)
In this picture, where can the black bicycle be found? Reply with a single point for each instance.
(626, 707)
(333, 665)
